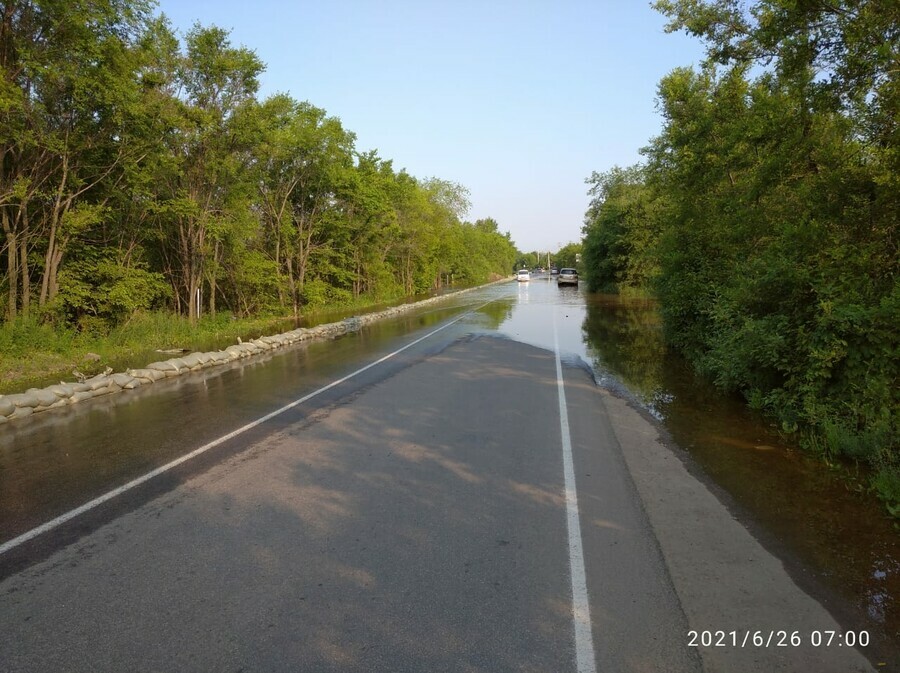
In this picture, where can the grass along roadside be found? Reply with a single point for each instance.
(35, 355)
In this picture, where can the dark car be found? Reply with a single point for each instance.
(567, 277)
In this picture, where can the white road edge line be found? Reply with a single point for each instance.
(71, 514)
(585, 658)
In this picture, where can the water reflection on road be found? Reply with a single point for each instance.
(842, 537)
(59, 461)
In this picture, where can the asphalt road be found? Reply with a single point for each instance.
(417, 521)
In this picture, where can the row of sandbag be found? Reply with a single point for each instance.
(61, 394)
(35, 400)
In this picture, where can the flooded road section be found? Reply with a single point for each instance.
(835, 540)
(63, 458)
(832, 538)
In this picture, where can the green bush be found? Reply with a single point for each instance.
(776, 261)
(23, 336)
(318, 294)
(96, 295)
(887, 485)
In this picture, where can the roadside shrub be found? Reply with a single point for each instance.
(97, 295)
(25, 335)
(318, 293)
(887, 486)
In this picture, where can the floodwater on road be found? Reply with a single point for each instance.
(59, 459)
(807, 513)
(802, 510)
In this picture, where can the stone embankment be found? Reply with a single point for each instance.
(35, 400)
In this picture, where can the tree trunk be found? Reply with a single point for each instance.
(409, 276)
(53, 256)
(48, 258)
(189, 243)
(193, 286)
(292, 287)
(23, 269)
(217, 252)
(54, 272)
(279, 267)
(12, 271)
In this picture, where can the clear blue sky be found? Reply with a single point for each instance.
(518, 101)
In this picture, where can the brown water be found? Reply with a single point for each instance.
(803, 508)
(836, 540)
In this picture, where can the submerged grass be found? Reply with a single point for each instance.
(871, 453)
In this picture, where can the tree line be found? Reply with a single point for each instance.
(566, 256)
(142, 171)
(764, 217)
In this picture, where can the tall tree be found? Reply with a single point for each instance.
(209, 149)
(130, 158)
(779, 256)
(621, 230)
(67, 83)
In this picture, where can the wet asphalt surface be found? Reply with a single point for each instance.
(409, 519)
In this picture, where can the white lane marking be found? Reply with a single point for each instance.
(581, 608)
(71, 514)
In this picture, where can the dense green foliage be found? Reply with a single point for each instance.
(765, 218)
(565, 256)
(529, 260)
(141, 172)
(568, 256)
(621, 231)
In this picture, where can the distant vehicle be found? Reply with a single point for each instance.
(523, 274)
(567, 277)
(554, 271)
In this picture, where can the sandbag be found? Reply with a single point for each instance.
(6, 407)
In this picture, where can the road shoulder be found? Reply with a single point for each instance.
(726, 581)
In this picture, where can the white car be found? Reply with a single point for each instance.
(567, 277)
(523, 274)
